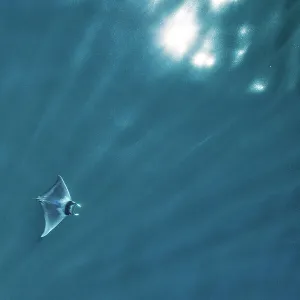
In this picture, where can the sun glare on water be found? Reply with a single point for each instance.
(202, 59)
(179, 31)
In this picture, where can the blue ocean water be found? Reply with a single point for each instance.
(175, 124)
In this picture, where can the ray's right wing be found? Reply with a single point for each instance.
(53, 216)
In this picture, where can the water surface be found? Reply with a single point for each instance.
(175, 125)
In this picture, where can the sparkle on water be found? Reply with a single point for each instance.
(258, 86)
(180, 36)
(239, 55)
(202, 59)
(219, 4)
(243, 30)
(241, 52)
(179, 31)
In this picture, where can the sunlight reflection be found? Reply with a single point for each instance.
(244, 40)
(243, 30)
(179, 31)
(153, 4)
(241, 52)
(244, 33)
(258, 86)
(208, 44)
(219, 4)
(202, 59)
(181, 35)
(239, 56)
